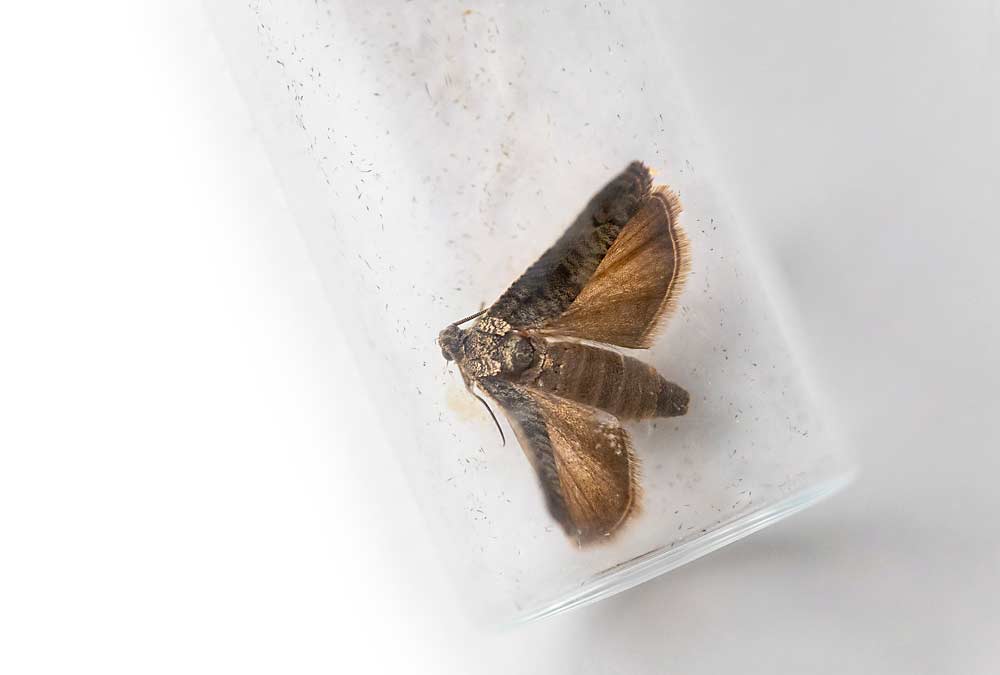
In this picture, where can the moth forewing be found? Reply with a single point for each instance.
(553, 282)
(583, 458)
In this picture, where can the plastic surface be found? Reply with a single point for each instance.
(431, 154)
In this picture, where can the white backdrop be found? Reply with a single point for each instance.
(173, 384)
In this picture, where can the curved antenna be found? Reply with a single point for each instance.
(503, 439)
(470, 318)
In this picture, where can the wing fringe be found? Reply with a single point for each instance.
(682, 263)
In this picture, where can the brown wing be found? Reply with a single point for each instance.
(548, 287)
(583, 458)
(637, 282)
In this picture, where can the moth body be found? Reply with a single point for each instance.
(610, 279)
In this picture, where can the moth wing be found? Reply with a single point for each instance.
(583, 458)
(548, 287)
(636, 284)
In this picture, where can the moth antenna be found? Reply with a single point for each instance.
(469, 318)
(503, 439)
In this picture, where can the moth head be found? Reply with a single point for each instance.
(450, 341)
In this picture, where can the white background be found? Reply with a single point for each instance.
(187, 483)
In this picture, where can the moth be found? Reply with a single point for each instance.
(541, 351)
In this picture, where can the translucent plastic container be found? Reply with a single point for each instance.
(431, 154)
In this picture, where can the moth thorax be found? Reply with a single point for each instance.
(516, 354)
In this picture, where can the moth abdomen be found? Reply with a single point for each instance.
(625, 387)
(672, 399)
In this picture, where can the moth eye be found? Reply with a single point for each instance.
(449, 340)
